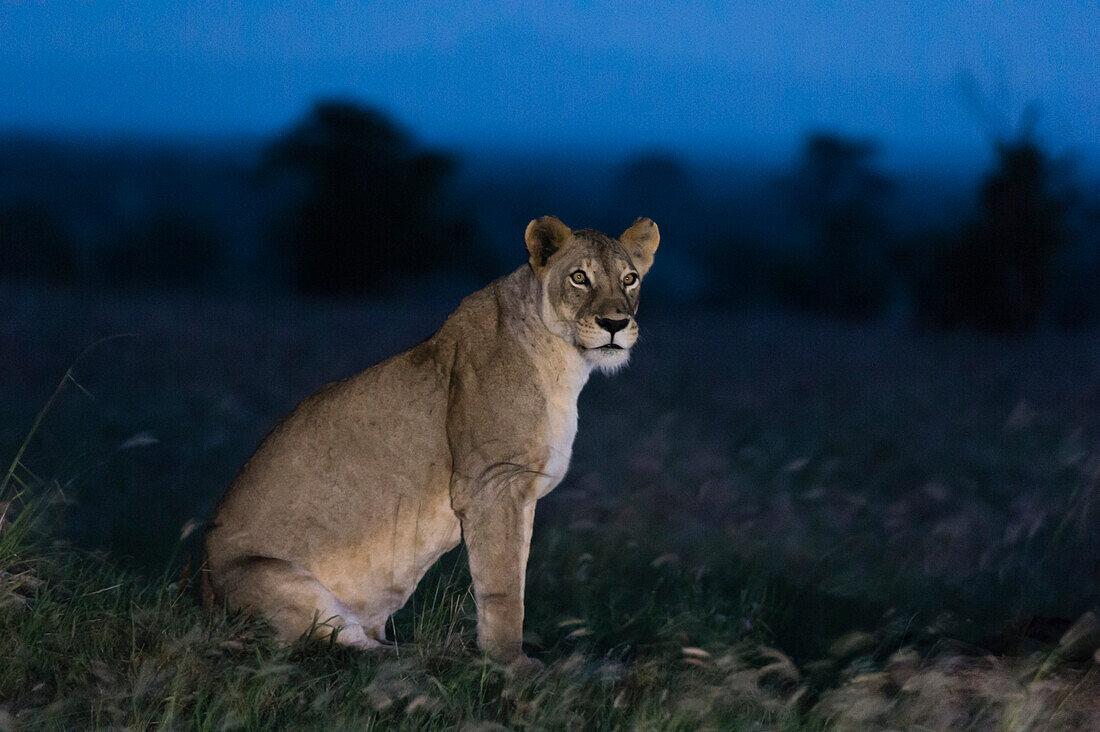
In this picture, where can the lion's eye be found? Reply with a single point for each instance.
(579, 277)
(630, 279)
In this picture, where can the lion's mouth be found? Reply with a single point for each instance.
(611, 347)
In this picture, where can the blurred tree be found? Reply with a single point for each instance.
(34, 245)
(996, 274)
(655, 182)
(370, 213)
(163, 249)
(658, 184)
(838, 193)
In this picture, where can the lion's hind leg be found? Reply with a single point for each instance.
(293, 600)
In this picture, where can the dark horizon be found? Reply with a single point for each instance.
(955, 167)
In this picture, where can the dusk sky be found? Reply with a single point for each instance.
(710, 80)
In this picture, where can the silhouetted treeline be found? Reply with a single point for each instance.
(125, 214)
(836, 193)
(33, 244)
(370, 210)
(345, 203)
(995, 274)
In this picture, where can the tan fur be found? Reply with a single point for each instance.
(352, 497)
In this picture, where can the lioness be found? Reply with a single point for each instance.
(351, 498)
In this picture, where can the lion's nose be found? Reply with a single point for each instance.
(612, 325)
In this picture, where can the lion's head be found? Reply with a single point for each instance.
(590, 284)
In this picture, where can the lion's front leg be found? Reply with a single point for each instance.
(497, 530)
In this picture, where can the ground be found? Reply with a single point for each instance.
(769, 520)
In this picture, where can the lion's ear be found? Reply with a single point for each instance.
(544, 237)
(641, 241)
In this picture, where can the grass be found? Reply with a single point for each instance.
(654, 644)
(796, 524)
(86, 644)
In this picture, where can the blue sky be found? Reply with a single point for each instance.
(712, 80)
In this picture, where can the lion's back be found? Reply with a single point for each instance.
(338, 463)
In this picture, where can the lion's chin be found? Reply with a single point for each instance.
(607, 360)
